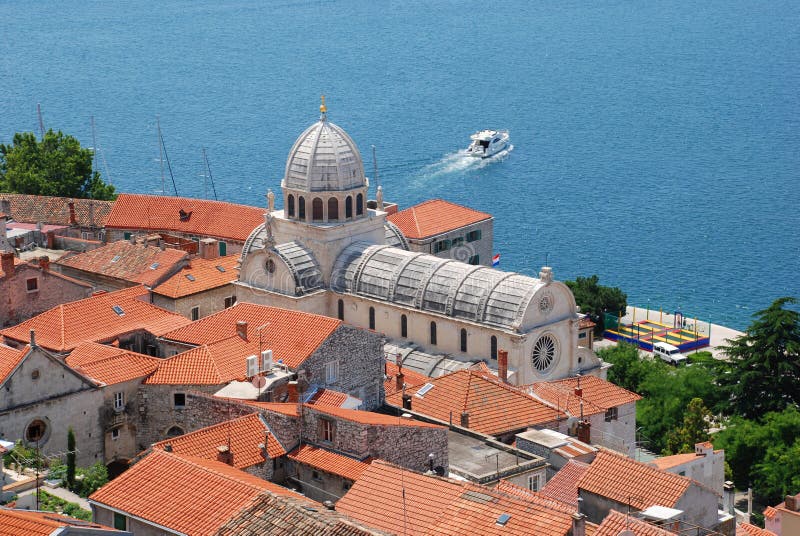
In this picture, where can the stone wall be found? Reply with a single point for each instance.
(18, 304)
(322, 487)
(209, 302)
(155, 412)
(105, 516)
(464, 251)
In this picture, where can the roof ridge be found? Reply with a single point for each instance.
(200, 463)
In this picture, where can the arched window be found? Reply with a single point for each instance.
(317, 212)
(290, 203)
(463, 340)
(371, 318)
(340, 312)
(493, 344)
(348, 207)
(433, 333)
(333, 208)
(359, 204)
(403, 326)
(301, 208)
(174, 431)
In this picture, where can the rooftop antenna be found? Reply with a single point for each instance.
(41, 121)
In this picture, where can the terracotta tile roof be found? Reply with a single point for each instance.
(9, 359)
(284, 408)
(55, 210)
(402, 501)
(563, 486)
(770, 512)
(328, 461)
(245, 434)
(291, 335)
(110, 365)
(616, 522)
(205, 275)
(751, 530)
(199, 217)
(494, 407)
(136, 263)
(62, 328)
(585, 322)
(510, 488)
(410, 378)
(627, 481)
(185, 494)
(328, 397)
(668, 462)
(598, 395)
(33, 523)
(705, 445)
(368, 417)
(287, 516)
(435, 217)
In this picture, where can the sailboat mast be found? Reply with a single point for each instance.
(41, 121)
(94, 147)
(161, 156)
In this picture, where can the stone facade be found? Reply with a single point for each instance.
(463, 250)
(156, 412)
(615, 429)
(207, 302)
(318, 485)
(105, 516)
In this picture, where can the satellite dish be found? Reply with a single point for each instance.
(258, 382)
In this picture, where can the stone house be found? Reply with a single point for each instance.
(704, 465)
(322, 474)
(447, 230)
(32, 523)
(784, 519)
(30, 288)
(83, 218)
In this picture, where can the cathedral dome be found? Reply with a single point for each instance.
(324, 159)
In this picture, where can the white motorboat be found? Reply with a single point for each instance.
(486, 143)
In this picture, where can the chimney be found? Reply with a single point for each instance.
(728, 500)
(5, 207)
(3, 221)
(465, 419)
(578, 389)
(502, 365)
(224, 454)
(72, 219)
(44, 262)
(241, 329)
(209, 249)
(33, 339)
(329, 505)
(406, 401)
(399, 379)
(584, 432)
(578, 524)
(292, 393)
(7, 262)
(168, 447)
(792, 502)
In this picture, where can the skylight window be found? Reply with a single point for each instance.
(116, 258)
(424, 389)
(221, 268)
(503, 519)
(117, 309)
(154, 266)
(190, 277)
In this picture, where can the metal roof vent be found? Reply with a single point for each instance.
(503, 519)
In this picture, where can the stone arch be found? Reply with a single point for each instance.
(348, 207)
(433, 333)
(403, 326)
(359, 204)
(463, 340)
(174, 431)
(493, 347)
(301, 208)
(340, 309)
(317, 210)
(333, 209)
(290, 206)
(372, 318)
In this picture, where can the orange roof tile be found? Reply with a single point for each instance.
(110, 365)
(598, 395)
(616, 522)
(245, 435)
(328, 461)
(136, 263)
(284, 408)
(435, 217)
(62, 328)
(494, 407)
(627, 481)
(200, 217)
(205, 275)
(368, 417)
(33, 523)
(564, 484)
(510, 488)
(328, 397)
(668, 462)
(770, 512)
(751, 530)
(410, 378)
(55, 210)
(9, 359)
(291, 335)
(185, 494)
(401, 501)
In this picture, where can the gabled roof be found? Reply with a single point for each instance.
(328, 397)
(402, 501)
(368, 417)
(328, 461)
(55, 210)
(205, 275)
(746, 529)
(110, 365)
(494, 407)
(10, 358)
(291, 335)
(244, 435)
(410, 377)
(510, 488)
(564, 484)
(185, 494)
(598, 395)
(627, 481)
(63, 327)
(434, 217)
(616, 522)
(200, 217)
(136, 263)
(33, 523)
(668, 462)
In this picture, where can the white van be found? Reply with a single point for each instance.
(669, 353)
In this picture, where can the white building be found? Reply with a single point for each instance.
(326, 252)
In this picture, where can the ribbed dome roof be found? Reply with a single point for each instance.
(324, 158)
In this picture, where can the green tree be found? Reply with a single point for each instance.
(695, 428)
(763, 371)
(93, 478)
(57, 165)
(71, 458)
(595, 299)
(628, 370)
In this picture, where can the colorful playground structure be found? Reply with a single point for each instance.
(647, 332)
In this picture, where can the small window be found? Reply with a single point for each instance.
(340, 310)
(611, 414)
(317, 212)
(326, 430)
(441, 245)
(371, 318)
(433, 333)
(533, 483)
(475, 260)
(331, 371)
(119, 400)
(269, 266)
(35, 374)
(403, 326)
(126, 236)
(120, 521)
(190, 277)
(229, 301)
(301, 208)
(493, 347)
(346, 485)
(223, 249)
(348, 207)
(359, 204)
(472, 236)
(457, 241)
(115, 434)
(315, 475)
(35, 431)
(179, 400)
(333, 208)
(195, 313)
(174, 431)
(32, 284)
(290, 204)
(582, 335)
(463, 340)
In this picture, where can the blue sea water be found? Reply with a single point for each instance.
(657, 144)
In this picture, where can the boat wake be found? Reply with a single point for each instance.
(461, 162)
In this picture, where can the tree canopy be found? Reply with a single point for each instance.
(57, 165)
(595, 299)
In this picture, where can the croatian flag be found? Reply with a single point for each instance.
(496, 260)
